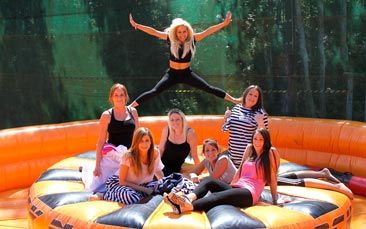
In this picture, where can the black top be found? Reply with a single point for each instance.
(121, 132)
(186, 59)
(174, 156)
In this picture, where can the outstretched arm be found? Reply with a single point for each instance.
(214, 28)
(148, 30)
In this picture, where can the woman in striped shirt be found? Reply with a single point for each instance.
(243, 120)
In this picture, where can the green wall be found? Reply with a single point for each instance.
(58, 58)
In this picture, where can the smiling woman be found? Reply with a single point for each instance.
(57, 198)
(243, 120)
(177, 141)
(116, 127)
(181, 40)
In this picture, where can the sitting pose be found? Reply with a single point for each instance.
(181, 40)
(116, 127)
(259, 166)
(177, 141)
(139, 165)
(218, 165)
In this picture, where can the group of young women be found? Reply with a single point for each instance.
(237, 177)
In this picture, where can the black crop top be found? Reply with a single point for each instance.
(186, 59)
(121, 132)
(174, 156)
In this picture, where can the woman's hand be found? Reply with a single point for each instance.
(227, 114)
(228, 18)
(132, 22)
(282, 200)
(259, 118)
(194, 178)
(96, 171)
(149, 191)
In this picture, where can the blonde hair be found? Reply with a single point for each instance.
(188, 44)
(184, 121)
(115, 87)
(133, 152)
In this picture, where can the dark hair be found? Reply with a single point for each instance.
(259, 103)
(211, 142)
(263, 160)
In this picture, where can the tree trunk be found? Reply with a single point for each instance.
(309, 102)
(289, 47)
(322, 63)
(267, 52)
(343, 34)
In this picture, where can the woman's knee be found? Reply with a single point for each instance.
(130, 198)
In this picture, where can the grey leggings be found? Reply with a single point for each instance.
(185, 76)
(221, 193)
(290, 179)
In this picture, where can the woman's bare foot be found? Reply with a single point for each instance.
(345, 190)
(133, 104)
(328, 175)
(233, 99)
(238, 100)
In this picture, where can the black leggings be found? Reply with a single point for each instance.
(186, 76)
(221, 193)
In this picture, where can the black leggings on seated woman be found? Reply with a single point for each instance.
(185, 76)
(221, 193)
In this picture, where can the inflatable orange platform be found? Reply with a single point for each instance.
(45, 158)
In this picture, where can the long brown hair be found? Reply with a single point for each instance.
(133, 152)
(212, 142)
(259, 103)
(263, 161)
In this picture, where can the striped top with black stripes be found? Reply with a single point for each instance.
(241, 125)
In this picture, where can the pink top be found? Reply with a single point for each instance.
(251, 179)
(144, 176)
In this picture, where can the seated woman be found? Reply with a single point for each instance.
(116, 127)
(259, 166)
(178, 140)
(139, 165)
(135, 178)
(218, 165)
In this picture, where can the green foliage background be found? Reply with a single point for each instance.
(58, 58)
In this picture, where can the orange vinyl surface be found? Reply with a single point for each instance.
(28, 151)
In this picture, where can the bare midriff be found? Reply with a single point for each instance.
(179, 66)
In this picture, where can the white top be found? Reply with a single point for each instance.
(144, 176)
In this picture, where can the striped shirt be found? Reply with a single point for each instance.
(241, 125)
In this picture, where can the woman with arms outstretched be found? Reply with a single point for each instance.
(181, 40)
